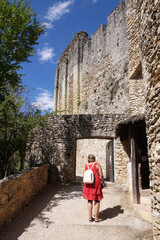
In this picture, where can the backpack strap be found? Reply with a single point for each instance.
(97, 173)
(91, 167)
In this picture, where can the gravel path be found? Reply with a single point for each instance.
(60, 213)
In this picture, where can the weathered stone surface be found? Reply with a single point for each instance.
(149, 30)
(56, 144)
(158, 197)
(90, 146)
(91, 74)
(121, 162)
(16, 191)
(117, 71)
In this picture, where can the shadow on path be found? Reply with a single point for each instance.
(51, 197)
(111, 212)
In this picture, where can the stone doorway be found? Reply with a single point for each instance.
(139, 159)
(103, 151)
(56, 144)
(141, 142)
(133, 131)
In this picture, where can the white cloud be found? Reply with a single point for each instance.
(44, 100)
(48, 25)
(94, 1)
(46, 53)
(58, 10)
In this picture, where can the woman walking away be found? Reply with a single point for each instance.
(93, 191)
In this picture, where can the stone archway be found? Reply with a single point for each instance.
(55, 144)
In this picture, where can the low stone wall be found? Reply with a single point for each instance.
(18, 190)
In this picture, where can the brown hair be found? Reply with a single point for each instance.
(91, 158)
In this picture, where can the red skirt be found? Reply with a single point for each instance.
(90, 192)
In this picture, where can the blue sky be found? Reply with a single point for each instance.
(63, 19)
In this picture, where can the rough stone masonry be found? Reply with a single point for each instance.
(116, 72)
(56, 144)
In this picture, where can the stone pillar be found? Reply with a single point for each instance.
(150, 35)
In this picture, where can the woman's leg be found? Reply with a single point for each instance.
(96, 209)
(90, 207)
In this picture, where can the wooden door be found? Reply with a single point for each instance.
(109, 162)
(134, 164)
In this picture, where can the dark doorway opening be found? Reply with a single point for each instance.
(139, 160)
(142, 156)
(134, 130)
(109, 162)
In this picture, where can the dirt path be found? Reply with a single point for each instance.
(60, 213)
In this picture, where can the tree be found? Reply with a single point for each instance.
(19, 32)
(16, 133)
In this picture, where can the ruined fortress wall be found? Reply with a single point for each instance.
(68, 79)
(137, 96)
(136, 79)
(133, 34)
(56, 144)
(150, 34)
(105, 80)
(92, 74)
(18, 190)
(143, 21)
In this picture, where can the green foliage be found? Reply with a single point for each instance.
(114, 90)
(74, 35)
(19, 32)
(86, 106)
(16, 131)
(79, 103)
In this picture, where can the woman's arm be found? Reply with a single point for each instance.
(100, 173)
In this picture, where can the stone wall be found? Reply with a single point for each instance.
(150, 34)
(92, 74)
(105, 76)
(122, 158)
(136, 79)
(143, 21)
(56, 144)
(137, 96)
(68, 79)
(17, 191)
(133, 35)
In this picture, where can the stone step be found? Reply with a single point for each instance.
(145, 192)
(143, 211)
(146, 200)
(108, 184)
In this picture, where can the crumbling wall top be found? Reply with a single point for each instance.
(81, 34)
